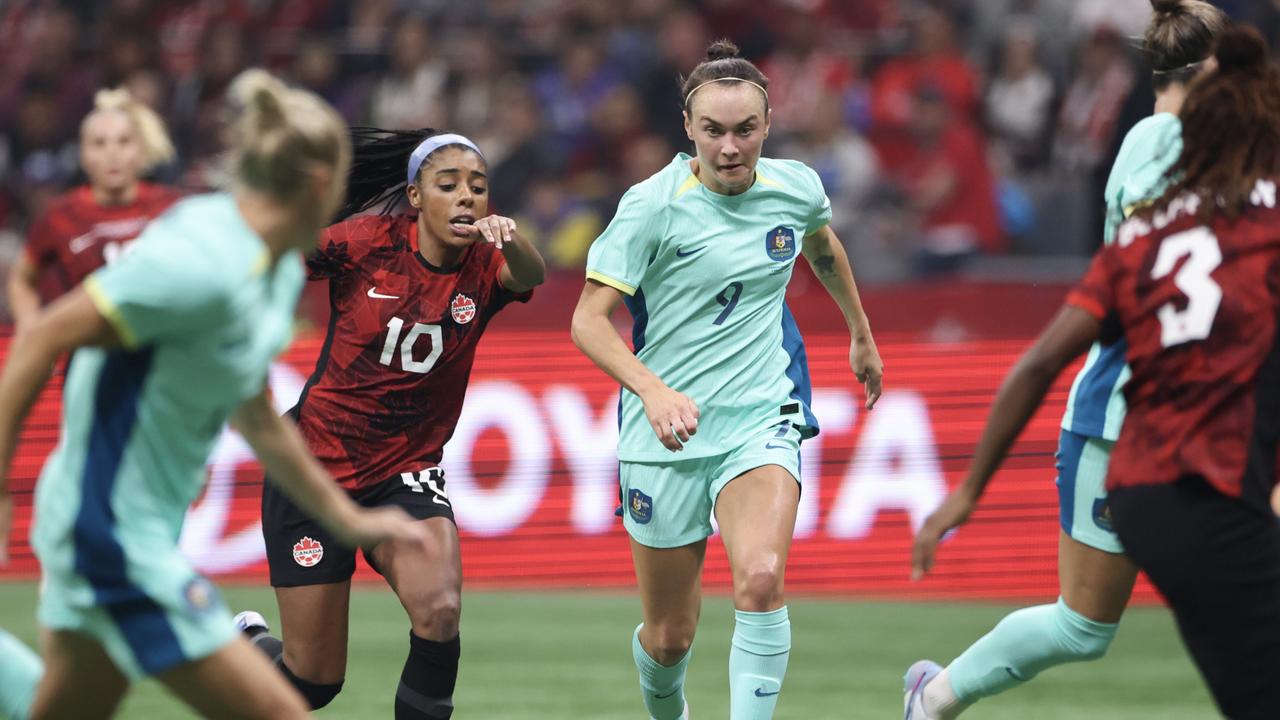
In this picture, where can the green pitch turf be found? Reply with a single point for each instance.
(568, 655)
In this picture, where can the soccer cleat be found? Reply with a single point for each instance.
(251, 623)
(918, 675)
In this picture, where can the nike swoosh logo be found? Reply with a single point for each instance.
(373, 293)
(761, 693)
(695, 251)
(770, 446)
(664, 697)
(82, 243)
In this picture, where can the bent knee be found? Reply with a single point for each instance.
(759, 588)
(435, 615)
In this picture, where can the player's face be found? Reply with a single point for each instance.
(727, 123)
(452, 192)
(110, 152)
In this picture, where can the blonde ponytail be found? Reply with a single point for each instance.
(153, 137)
(279, 134)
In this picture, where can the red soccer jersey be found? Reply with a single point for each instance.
(1199, 306)
(388, 387)
(77, 235)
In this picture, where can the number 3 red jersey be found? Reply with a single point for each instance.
(1199, 306)
(388, 386)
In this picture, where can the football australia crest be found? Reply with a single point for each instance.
(780, 243)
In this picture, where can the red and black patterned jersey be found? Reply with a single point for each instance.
(388, 387)
(77, 235)
(1199, 306)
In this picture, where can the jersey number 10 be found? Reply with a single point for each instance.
(394, 327)
(1204, 296)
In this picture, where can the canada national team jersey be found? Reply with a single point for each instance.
(201, 312)
(1095, 407)
(77, 235)
(1199, 306)
(388, 387)
(706, 275)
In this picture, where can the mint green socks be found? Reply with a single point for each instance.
(20, 671)
(661, 686)
(1025, 643)
(757, 663)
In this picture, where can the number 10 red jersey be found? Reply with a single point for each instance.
(1199, 306)
(389, 384)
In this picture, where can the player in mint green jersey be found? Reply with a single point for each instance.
(715, 398)
(1096, 577)
(170, 342)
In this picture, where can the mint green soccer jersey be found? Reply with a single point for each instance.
(201, 313)
(1096, 407)
(705, 277)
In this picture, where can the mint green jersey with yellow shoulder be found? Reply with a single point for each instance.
(705, 277)
(201, 311)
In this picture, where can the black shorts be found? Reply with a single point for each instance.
(1216, 559)
(301, 552)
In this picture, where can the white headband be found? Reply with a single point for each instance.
(758, 86)
(432, 144)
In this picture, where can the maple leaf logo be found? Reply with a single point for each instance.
(307, 552)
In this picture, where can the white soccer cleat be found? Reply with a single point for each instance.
(250, 623)
(918, 675)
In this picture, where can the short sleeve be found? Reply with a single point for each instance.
(157, 291)
(820, 207)
(620, 256)
(1096, 294)
(342, 246)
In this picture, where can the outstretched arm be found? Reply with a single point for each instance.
(1068, 335)
(525, 268)
(830, 263)
(673, 416)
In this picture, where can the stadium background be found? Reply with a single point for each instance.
(963, 145)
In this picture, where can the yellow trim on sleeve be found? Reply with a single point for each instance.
(615, 284)
(108, 310)
(690, 183)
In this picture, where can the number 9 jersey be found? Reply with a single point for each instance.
(1199, 307)
(705, 277)
(389, 383)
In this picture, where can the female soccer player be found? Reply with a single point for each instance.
(173, 339)
(1096, 578)
(1191, 286)
(410, 296)
(701, 253)
(91, 225)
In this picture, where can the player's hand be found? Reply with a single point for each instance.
(952, 513)
(377, 525)
(6, 524)
(495, 230)
(867, 366)
(672, 415)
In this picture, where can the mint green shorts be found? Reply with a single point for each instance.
(669, 504)
(151, 611)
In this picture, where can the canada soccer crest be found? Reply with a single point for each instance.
(307, 552)
(780, 243)
(463, 309)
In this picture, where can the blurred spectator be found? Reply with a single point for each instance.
(127, 51)
(802, 71)
(364, 31)
(934, 58)
(682, 44)
(42, 159)
(517, 152)
(47, 64)
(317, 68)
(615, 122)
(476, 89)
(411, 94)
(1019, 101)
(570, 90)
(843, 159)
(1087, 120)
(197, 100)
(559, 224)
(946, 182)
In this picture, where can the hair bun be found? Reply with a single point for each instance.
(1241, 49)
(1166, 6)
(722, 50)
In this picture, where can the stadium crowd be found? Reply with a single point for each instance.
(944, 131)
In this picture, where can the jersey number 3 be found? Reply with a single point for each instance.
(1204, 296)
(394, 327)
